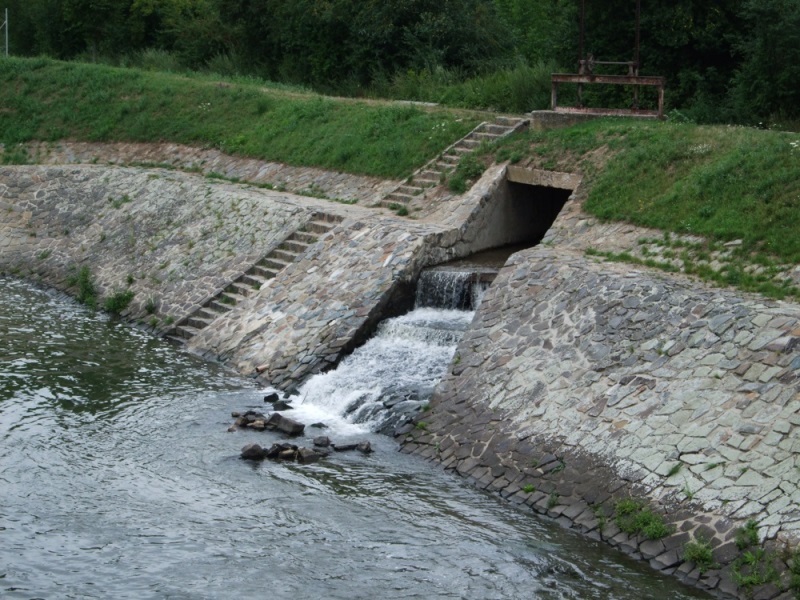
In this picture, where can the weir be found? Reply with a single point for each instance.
(390, 378)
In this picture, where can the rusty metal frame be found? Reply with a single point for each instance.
(586, 76)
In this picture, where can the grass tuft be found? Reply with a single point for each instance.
(635, 518)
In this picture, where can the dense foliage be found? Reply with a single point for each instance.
(737, 60)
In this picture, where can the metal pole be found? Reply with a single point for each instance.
(638, 36)
(583, 33)
(581, 63)
(636, 54)
(5, 23)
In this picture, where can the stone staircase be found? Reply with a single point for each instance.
(435, 172)
(251, 280)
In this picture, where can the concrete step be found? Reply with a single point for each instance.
(409, 190)
(497, 129)
(468, 142)
(484, 136)
(328, 218)
(263, 272)
(293, 246)
(272, 263)
(508, 121)
(392, 204)
(458, 149)
(451, 159)
(306, 237)
(397, 198)
(175, 339)
(446, 167)
(428, 178)
(206, 314)
(185, 332)
(319, 227)
(231, 298)
(239, 289)
(252, 280)
(196, 322)
(219, 307)
(286, 256)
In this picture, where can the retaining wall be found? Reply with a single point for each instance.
(581, 383)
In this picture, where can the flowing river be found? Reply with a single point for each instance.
(118, 480)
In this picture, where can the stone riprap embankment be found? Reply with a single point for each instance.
(175, 240)
(579, 383)
(315, 309)
(582, 382)
(306, 181)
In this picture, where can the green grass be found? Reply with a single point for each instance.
(721, 183)
(635, 518)
(43, 99)
(794, 572)
(747, 536)
(699, 552)
(724, 183)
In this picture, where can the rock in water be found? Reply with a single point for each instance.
(322, 441)
(271, 398)
(307, 455)
(285, 424)
(253, 452)
(364, 448)
(344, 447)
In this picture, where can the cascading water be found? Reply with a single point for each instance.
(462, 289)
(385, 381)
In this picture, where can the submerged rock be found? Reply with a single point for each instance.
(284, 452)
(253, 452)
(364, 447)
(288, 426)
(258, 421)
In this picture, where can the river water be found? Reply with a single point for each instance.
(118, 480)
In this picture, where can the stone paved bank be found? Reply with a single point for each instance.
(579, 383)
(298, 180)
(173, 239)
(582, 383)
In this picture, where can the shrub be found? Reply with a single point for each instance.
(86, 291)
(118, 301)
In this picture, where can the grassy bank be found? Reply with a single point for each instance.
(42, 99)
(736, 188)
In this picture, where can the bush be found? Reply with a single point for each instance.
(118, 301)
(86, 290)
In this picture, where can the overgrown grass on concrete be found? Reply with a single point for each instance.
(43, 99)
(730, 185)
(724, 183)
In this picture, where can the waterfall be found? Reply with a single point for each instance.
(392, 376)
(461, 289)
